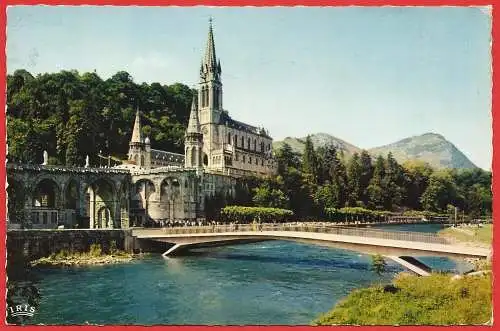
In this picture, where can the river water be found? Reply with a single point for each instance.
(273, 282)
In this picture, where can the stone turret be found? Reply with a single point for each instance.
(193, 139)
(139, 151)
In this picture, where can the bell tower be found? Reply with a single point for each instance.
(210, 86)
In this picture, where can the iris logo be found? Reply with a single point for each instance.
(21, 310)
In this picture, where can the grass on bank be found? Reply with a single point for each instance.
(413, 300)
(95, 255)
(470, 234)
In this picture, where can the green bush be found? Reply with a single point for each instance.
(95, 250)
(63, 253)
(355, 214)
(249, 214)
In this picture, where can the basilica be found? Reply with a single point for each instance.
(214, 140)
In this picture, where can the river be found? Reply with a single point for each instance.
(273, 282)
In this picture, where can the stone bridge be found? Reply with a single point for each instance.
(401, 247)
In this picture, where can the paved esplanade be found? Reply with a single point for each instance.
(398, 246)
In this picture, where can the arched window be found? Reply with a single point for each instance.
(235, 138)
(250, 160)
(248, 145)
(261, 146)
(229, 137)
(254, 145)
(216, 97)
(220, 98)
(142, 160)
(242, 142)
(243, 158)
(194, 159)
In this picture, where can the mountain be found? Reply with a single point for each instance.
(318, 140)
(429, 147)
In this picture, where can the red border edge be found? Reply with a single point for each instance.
(495, 49)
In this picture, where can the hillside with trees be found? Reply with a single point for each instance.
(72, 114)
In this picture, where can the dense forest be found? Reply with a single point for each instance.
(72, 115)
(322, 180)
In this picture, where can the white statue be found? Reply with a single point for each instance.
(45, 158)
(87, 162)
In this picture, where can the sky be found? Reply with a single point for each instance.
(369, 76)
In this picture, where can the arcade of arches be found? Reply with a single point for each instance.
(48, 197)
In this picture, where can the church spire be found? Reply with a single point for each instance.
(194, 122)
(210, 60)
(136, 133)
(210, 65)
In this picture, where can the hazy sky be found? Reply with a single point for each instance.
(369, 76)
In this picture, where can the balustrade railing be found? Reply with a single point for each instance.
(345, 231)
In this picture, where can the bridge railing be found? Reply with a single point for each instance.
(345, 231)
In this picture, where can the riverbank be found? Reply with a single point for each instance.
(473, 235)
(411, 300)
(95, 256)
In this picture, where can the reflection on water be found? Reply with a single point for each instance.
(272, 282)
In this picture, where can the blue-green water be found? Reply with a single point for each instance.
(274, 282)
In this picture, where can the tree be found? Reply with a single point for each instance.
(265, 196)
(417, 175)
(309, 161)
(354, 174)
(324, 197)
(333, 173)
(440, 192)
(286, 159)
(376, 194)
(366, 175)
(378, 264)
(393, 183)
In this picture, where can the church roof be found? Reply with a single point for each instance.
(227, 120)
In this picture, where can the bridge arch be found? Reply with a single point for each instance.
(72, 193)
(170, 198)
(104, 219)
(46, 193)
(101, 195)
(143, 196)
